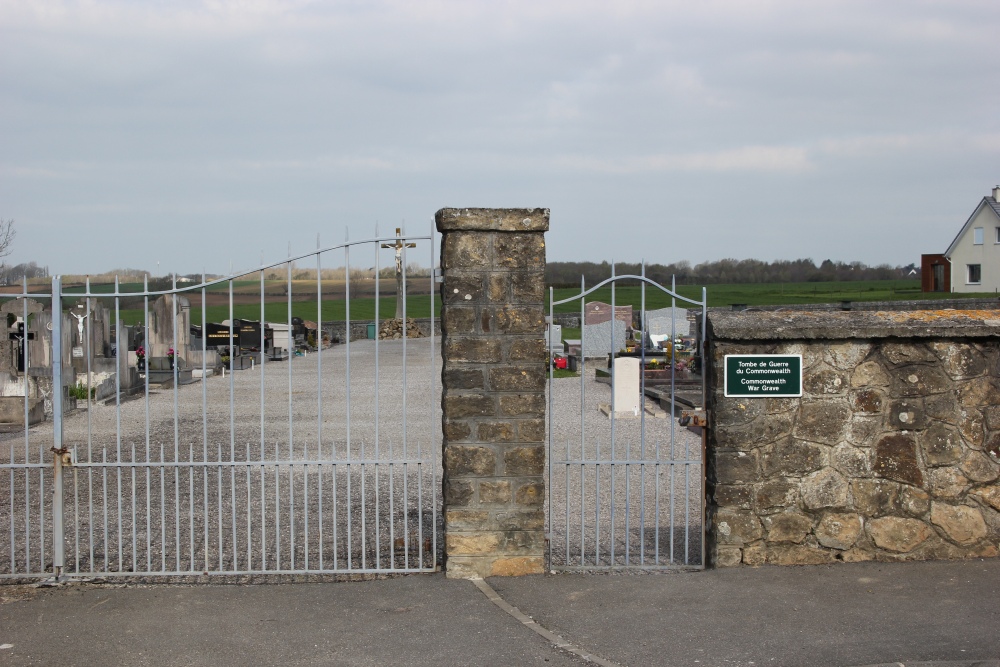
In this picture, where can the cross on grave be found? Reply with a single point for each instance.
(21, 339)
(398, 247)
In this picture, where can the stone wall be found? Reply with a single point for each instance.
(493, 380)
(891, 453)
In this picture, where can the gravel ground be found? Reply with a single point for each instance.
(644, 509)
(220, 485)
(242, 488)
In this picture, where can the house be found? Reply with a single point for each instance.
(972, 261)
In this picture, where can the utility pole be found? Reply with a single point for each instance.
(398, 247)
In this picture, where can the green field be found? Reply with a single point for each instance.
(418, 305)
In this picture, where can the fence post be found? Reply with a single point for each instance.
(493, 390)
(58, 539)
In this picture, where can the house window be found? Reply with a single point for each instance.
(977, 236)
(998, 235)
(975, 274)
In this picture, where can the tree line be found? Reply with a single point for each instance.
(568, 274)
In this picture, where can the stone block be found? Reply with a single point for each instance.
(991, 413)
(463, 250)
(523, 542)
(728, 557)
(733, 411)
(941, 445)
(754, 434)
(492, 219)
(494, 492)
(822, 421)
(839, 530)
(978, 393)
(798, 554)
(473, 349)
(979, 468)
(528, 287)
(462, 288)
(755, 554)
(736, 467)
(472, 544)
(870, 374)
(846, 356)
(458, 406)
(989, 495)
(496, 431)
(463, 378)
(971, 425)
(737, 528)
(919, 381)
(787, 527)
(458, 492)
(897, 534)
(896, 459)
(826, 488)
(469, 461)
(793, 458)
(734, 496)
(520, 320)
(531, 349)
(775, 494)
(530, 494)
(468, 567)
(863, 431)
(457, 431)
(906, 353)
(533, 519)
(523, 405)
(519, 378)
(943, 407)
(962, 524)
(867, 400)
(498, 287)
(961, 361)
(878, 497)
(947, 483)
(455, 320)
(531, 430)
(520, 251)
(524, 461)
(908, 414)
(824, 382)
(851, 461)
(465, 520)
(517, 566)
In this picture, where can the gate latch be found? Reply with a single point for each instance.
(66, 455)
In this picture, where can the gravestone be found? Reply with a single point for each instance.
(598, 312)
(658, 324)
(555, 338)
(600, 340)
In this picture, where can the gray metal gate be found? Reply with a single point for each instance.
(626, 483)
(327, 462)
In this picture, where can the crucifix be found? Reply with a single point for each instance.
(79, 322)
(398, 247)
(22, 339)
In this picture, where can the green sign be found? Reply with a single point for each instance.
(764, 375)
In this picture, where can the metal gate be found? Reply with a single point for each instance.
(626, 480)
(293, 462)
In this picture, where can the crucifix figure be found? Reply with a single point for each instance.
(21, 338)
(79, 323)
(398, 247)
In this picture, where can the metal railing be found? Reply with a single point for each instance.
(624, 491)
(325, 465)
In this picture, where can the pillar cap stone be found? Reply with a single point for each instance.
(492, 219)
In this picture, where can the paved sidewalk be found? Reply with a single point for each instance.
(916, 614)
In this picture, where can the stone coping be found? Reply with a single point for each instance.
(492, 219)
(760, 325)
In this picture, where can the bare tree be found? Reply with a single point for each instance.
(7, 233)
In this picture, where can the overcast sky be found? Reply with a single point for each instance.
(195, 134)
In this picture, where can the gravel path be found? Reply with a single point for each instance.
(226, 486)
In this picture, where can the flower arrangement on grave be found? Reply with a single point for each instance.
(140, 356)
(170, 353)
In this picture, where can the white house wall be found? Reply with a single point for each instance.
(986, 255)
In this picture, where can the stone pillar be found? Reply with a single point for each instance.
(493, 398)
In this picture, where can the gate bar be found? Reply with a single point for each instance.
(58, 546)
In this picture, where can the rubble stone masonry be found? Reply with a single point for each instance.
(892, 452)
(493, 399)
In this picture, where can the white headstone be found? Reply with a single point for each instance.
(555, 338)
(625, 398)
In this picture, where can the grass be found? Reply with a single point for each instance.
(760, 294)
